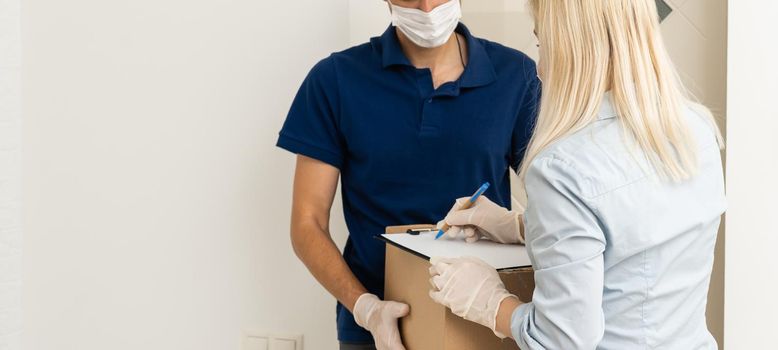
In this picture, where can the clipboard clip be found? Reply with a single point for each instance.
(418, 231)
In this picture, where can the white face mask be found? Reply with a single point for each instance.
(428, 29)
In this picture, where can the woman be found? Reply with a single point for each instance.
(625, 192)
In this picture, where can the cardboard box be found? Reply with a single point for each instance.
(430, 326)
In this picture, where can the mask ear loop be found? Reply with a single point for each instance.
(459, 46)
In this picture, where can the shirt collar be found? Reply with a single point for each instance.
(607, 109)
(479, 71)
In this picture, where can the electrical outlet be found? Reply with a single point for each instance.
(254, 339)
(255, 343)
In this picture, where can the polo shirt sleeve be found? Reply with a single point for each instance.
(312, 127)
(528, 111)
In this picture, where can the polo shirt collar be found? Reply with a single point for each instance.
(392, 54)
(479, 71)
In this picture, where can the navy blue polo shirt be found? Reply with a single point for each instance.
(405, 150)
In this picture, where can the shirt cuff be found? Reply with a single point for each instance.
(522, 322)
(300, 147)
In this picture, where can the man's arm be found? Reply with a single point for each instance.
(315, 183)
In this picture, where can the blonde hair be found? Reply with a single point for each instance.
(592, 46)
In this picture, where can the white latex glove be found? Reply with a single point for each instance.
(484, 219)
(470, 287)
(380, 318)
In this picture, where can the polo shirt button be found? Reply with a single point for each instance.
(429, 101)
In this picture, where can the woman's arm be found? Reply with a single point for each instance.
(567, 244)
(505, 316)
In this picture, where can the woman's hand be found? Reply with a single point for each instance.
(484, 219)
(470, 287)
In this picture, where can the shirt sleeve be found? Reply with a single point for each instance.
(312, 125)
(566, 243)
(525, 120)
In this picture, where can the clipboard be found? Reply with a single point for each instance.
(419, 241)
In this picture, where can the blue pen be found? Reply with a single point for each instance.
(464, 206)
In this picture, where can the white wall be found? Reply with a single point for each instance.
(367, 19)
(752, 170)
(10, 177)
(156, 205)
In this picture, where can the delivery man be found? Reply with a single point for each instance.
(390, 118)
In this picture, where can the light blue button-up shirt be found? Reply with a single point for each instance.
(622, 258)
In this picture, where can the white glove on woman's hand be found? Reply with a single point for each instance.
(483, 219)
(471, 288)
(380, 318)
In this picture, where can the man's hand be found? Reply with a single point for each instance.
(380, 318)
(470, 287)
(484, 219)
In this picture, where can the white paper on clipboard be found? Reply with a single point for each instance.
(500, 256)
